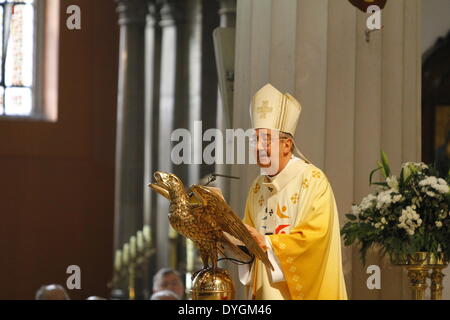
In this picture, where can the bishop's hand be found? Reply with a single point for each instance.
(259, 238)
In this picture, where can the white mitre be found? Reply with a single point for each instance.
(271, 109)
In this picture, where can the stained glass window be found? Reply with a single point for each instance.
(17, 40)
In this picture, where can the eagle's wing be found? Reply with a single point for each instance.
(229, 247)
(220, 214)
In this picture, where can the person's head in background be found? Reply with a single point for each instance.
(165, 295)
(95, 298)
(52, 292)
(168, 279)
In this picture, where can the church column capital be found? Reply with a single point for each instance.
(175, 12)
(227, 13)
(133, 11)
(154, 10)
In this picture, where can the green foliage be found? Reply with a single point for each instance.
(372, 173)
(385, 165)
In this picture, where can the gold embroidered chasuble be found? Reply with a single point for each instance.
(296, 211)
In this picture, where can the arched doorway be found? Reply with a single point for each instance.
(436, 105)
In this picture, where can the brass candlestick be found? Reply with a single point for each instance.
(418, 273)
(418, 280)
(132, 269)
(130, 262)
(419, 266)
(437, 264)
(436, 283)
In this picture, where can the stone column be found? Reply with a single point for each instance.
(152, 112)
(187, 93)
(179, 106)
(209, 85)
(227, 25)
(129, 181)
(163, 106)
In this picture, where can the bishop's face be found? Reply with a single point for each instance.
(272, 150)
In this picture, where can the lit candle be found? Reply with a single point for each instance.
(133, 247)
(126, 253)
(118, 260)
(140, 241)
(147, 235)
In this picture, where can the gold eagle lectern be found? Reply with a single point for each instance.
(203, 216)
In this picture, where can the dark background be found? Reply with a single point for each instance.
(57, 179)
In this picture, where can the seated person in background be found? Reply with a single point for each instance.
(52, 292)
(165, 295)
(168, 279)
(96, 298)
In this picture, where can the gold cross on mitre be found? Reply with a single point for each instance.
(264, 109)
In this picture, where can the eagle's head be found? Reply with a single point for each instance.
(167, 184)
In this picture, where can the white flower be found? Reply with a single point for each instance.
(367, 202)
(420, 165)
(406, 172)
(431, 193)
(408, 167)
(392, 183)
(397, 198)
(356, 209)
(383, 220)
(440, 185)
(438, 224)
(384, 198)
(428, 181)
(409, 220)
(441, 188)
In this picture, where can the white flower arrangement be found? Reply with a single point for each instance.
(404, 215)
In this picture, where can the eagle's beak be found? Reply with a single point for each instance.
(159, 187)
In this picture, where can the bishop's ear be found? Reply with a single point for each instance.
(288, 146)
